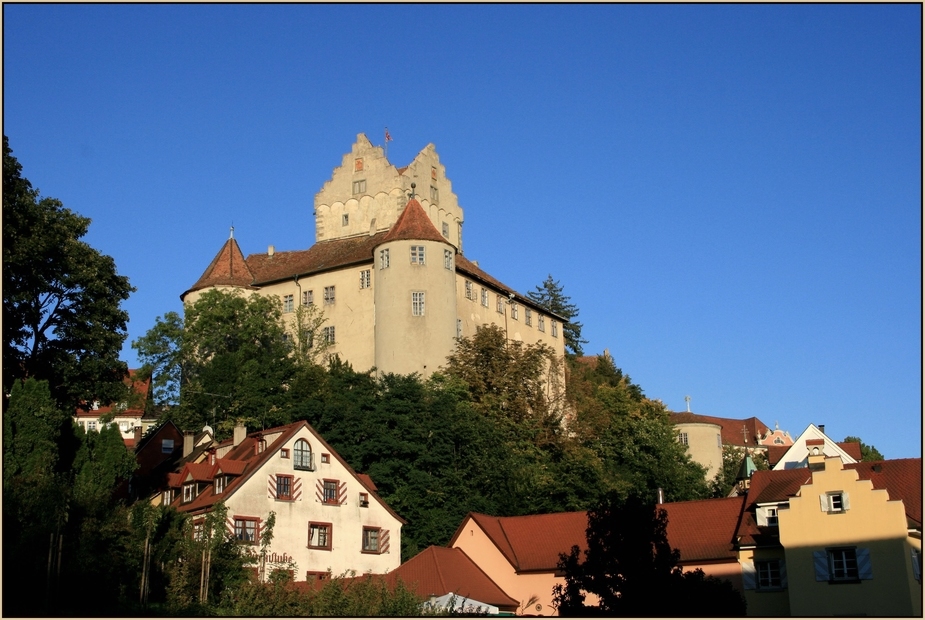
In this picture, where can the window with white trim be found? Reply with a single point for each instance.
(384, 259)
(288, 303)
(682, 438)
(528, 317)
(308, 298)
(446, 230)
(417, 254)
(485, 297)
(834, 502)
(768, 574)
(515, 311)
(328, 295)
(499, 303)
(189, 492)
(219, 484)
(541, 323)
(91, 426)
(417, 303)
(469, 293)
(327, 334)
(842, 564)
(555, 329)
(772, 516)
(364, 278)
(448, 259)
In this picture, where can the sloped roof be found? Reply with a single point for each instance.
(413, 224)
(704, 529)
(323, 256)
(902, 478)
(228, 268)
(796, 455)
(135, 405)
(438, 570)
(853, 448)
(533, 543)
(731, 428)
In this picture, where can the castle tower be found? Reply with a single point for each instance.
(415, 295)
(366, 194)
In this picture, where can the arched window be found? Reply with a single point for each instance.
(302, 456)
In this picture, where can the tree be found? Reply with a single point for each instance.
(632, 570)
(550, 296)
(868, 453)
(62, 320)
(725, 478)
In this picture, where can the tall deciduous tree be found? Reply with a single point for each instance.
(550, 295)
(62, 320)
(868, 453)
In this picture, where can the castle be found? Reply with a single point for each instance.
(386, 269)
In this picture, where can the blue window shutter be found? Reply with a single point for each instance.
(821, 564)
(748, 576)
(783, 574)
(865, 571)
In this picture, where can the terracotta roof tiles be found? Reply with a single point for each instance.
(731, 428)
(228, 268)
(413, 223)
(438, 570)
(902, 478)
(704, 529)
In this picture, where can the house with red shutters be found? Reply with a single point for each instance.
(329, 518)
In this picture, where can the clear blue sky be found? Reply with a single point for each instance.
(731, 194)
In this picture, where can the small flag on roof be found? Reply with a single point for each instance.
(388, 136)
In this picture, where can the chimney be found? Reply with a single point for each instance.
(271, 250)
(661, 496)
(240, 432)
(137, 434)
(187, 443)
(822, 428)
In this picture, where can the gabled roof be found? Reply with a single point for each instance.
(518, 540)
(321, 257)
(796, 455)
(413, 224)
(228, 268)
(704, 529)
(731, 428)
(438, 570)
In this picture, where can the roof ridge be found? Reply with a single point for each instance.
(508, 540)
(414, 223)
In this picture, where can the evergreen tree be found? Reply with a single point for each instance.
(550, 296)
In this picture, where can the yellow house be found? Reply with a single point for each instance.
(834, 538)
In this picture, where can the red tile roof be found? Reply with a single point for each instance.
(438, 570)
(228, 268)
(321, 257)
(902, 478)
(413, 223)
(703, 529)
(136, 403)
(731, 428)
(533, 543)
(853, 449)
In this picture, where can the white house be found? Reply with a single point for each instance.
(329, 518)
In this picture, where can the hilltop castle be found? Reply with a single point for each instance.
(386, 269)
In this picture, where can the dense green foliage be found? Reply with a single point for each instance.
(550, 295)
(725, 478)
(868, 453)
(62, 320)
(631, 569)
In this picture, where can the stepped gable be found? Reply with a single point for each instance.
(437, 571)
(413, 224)
(322, 256)
(228, 268)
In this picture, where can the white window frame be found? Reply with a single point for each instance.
(554, 328)
(446, 230)
(541, 323)
(682, 438)
(189, 492)
(470, 295)
(328, 334)
(219, 484)
(329, 293)
(485, 297)
(834, 502)
(288, 303)
(384, 259)
(365, 278)
(499, 304)
(448, 259)
(417, 303)
(772, 516)
(840, 558)
(417, 255)
(528, 317)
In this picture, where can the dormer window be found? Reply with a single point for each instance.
(189, 492)
(219, 484)
(772, 517)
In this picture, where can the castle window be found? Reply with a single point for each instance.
(417, 254)
(308, 298)
(434, 194)
(383, 259)
(417, 303)
(682, 438)
(448, 259)
(459, 328)
(364, 278)
(446, 230)
(541, 323)
(288, 303)
(433, 173)
(515, 311)
(528, 317)
(499, 303)
(485, 297)
(359, 187)
(328, 295)
(469, 294)
(327, 334)
(345, 219)
(358, 164)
